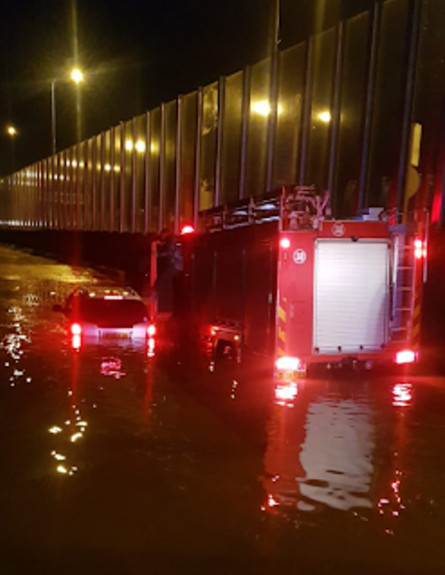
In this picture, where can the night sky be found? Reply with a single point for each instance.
(135, 53)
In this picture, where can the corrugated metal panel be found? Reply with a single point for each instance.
(351, 294)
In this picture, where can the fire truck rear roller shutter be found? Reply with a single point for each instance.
(351, 295)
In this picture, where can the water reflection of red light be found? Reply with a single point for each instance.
(393, 505)
(76, 329)
(111, 366)
(285, 393)
(402, 394)
(271, 502)
(151, 346)
(76, 342)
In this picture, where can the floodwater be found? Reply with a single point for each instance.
(115, 462)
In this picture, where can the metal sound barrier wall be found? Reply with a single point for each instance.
(344, 111)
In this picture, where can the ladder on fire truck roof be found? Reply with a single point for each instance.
(293, 207)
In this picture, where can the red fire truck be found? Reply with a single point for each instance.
(277, 278)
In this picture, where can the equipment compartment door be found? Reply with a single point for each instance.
(351, 295)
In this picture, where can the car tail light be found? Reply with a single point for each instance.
(151, 330)
(76, 329)
(405, 356)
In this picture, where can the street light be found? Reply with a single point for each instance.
(77, 77)
(53, 117)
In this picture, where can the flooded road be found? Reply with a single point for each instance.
(115, 462)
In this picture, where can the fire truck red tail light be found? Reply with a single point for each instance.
(187, 230)
(76, 329)
(288, 363)
(285, 243)
(419, 249)
(151, 330)
(405, 356)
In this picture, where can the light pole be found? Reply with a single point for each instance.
(53, 117)
(77, 77)
(12, 133)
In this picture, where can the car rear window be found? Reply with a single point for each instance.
(111, 313)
